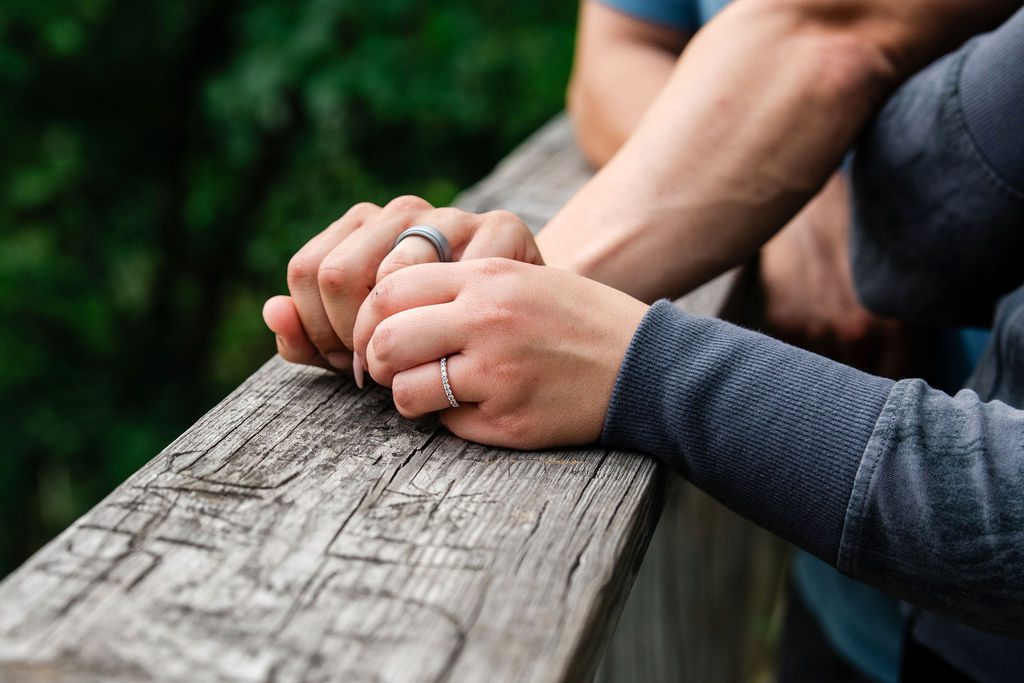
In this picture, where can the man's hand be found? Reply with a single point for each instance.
(330, 276)
(809, 298)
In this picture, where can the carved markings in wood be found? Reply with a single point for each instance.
(304, 531)
(702, 606)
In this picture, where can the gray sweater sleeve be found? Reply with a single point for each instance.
(938, 182)
(898, 485)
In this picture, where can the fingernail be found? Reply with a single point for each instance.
(339, 359)
(357, 370)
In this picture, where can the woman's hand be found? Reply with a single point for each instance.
(533, 352)
(330, 276)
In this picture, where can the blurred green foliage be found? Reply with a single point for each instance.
(160, 162)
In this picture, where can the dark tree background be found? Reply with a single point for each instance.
(159, 163)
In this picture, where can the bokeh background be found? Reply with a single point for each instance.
(161, 161)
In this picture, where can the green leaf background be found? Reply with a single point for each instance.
(159, 163)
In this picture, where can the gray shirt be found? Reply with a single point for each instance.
(904, 487)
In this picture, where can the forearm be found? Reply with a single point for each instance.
(622, 62)
(897, 484)
(755, 116)
(621, 65)
(607, 107)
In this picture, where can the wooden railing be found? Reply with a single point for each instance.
(303, 531)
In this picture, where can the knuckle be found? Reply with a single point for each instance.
(498, 314)
(404, 396)
(451, 221)
(449, 214)
(513, 427)
(383, 342)
(335, 275)
(490, 268)
(302, 268)
(504, 219)
(380, 370)
(505, 374)
(383, 295)
(407, 203)
(361, 211)
(380, 373)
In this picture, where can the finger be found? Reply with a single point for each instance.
(303, 280)
(421, 285)
(409, 252)
(502, 234)
(413, 337)
(457, 227)
(348, 272)
(419, 390)
(283, 320)
(471, 423)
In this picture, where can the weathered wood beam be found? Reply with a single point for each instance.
(303, 531)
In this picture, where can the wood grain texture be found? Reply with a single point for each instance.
(303, 531)
(705, 604)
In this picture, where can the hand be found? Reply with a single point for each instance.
(533, 352)
(809, 298)
(330, 276)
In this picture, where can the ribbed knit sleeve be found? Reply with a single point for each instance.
(774, 432)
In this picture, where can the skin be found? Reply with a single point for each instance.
(621, 65)
(808, 294)
(753, 120)
(529, 368)
(332, 274)
(750, 125)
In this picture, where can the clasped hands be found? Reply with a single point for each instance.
(533, 351)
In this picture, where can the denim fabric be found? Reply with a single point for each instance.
(937, 512)
(992, 73)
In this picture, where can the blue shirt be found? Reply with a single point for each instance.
(688, 15)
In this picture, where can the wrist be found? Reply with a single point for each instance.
(607, 244)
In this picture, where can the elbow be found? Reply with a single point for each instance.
(586, 123)
(851, 71)
(851, 49)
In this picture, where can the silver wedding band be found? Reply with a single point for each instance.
(444, 250)
(445, 384)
